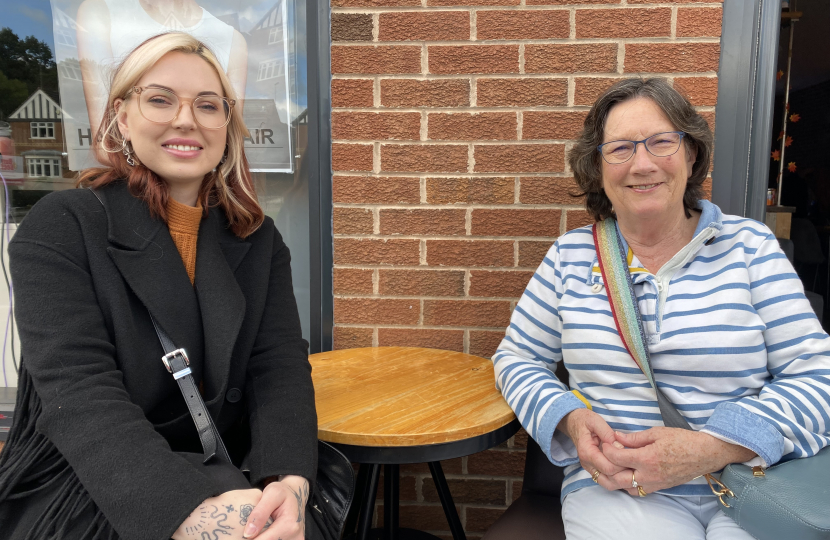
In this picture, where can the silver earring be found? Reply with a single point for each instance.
(128, 152)
(224, 156)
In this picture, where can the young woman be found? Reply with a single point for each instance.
(103, 445)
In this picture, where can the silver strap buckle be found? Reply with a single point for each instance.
(178, 352)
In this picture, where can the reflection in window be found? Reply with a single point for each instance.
(275, 35)
(269, 69)
(70, 69)
(41, 166)
(42, 130)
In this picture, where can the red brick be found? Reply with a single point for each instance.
(423, 158)
(516, 490)
(376, 190)
(473, 2)
(351, 27)
(701, 91)
(472, 127)
(699, 22)
(588, 90)
(469, 253)
(623, 23)
(674, 2)
(508, 222)
(470, 491)
(519, 158)
(707, 189)
(407, 491)
(448, 340)
(524, 24)
(424, 93)
(548, 190)
(568, 2)
(449, 466)
(352, 93)
(520, 439)
(448, 60)
(522, 92)
(376, 311)
(481, 519)
(352, 281)
(577, 218)
(374, 3)
(422, 282)
(484, 342)
(509, 284)
(467, 313)
(375, 251)
(709, 116)
(351, 157)
(476, 190)
(594, 57)
(422, 222)
(424, 26)
(375, 59)
(375, 126)
(532, 253)
(352, 221)
(346, 337)
(497, 463)
(671, 57)
(552, 124)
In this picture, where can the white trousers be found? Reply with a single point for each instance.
(594, 513)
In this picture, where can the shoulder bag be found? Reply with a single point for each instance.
(788, 500)
(333, 491)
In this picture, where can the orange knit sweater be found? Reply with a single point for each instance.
(183, 222)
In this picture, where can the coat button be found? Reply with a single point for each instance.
(233, 395)
(596, 287)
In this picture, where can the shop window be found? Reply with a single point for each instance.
(270, 69)
(275, 35)
(42, 130)
(48, 167)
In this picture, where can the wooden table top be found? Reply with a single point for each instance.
(405, 396)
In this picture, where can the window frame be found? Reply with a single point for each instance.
(35, 127)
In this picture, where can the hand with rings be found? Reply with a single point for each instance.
(589, 433)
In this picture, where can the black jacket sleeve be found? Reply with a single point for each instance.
(280, 393)
(143, 488)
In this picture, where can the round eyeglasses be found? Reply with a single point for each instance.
(162, 106)
(659, 145)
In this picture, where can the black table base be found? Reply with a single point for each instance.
(368, 478)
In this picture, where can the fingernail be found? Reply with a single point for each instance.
(249, 530)
(618, 445)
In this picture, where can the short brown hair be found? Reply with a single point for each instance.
(585, 159)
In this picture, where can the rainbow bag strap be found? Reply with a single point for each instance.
(613, 265)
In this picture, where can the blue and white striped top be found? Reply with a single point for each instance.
(733, 342)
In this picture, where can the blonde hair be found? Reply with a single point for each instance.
(230, 186)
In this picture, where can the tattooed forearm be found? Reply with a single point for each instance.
(302, 497)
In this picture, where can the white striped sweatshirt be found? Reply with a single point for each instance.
(733, 341)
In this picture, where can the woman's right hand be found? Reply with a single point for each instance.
(589, 432)
(219, 517)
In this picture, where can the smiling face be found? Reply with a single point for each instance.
(180, 152)
(645, 187)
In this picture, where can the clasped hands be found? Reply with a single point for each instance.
(659, 458)
(275, 512)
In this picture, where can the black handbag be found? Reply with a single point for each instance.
(333, 491)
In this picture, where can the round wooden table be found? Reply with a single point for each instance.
(393, 405)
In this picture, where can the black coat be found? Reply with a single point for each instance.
(86, 267)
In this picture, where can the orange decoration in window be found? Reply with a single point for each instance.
(789, 141)
(779, 75)
(795, 118)
(776, 155)
(791, 167)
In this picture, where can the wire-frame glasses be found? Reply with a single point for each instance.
(659, 145)
(162, 106)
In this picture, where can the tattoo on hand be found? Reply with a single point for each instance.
(244, 512)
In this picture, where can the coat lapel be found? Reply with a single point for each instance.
(222, 304)
(147, 258)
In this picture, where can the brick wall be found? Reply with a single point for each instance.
(451, 121)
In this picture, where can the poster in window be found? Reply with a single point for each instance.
(250, 38)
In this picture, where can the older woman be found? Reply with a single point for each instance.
(733, 342)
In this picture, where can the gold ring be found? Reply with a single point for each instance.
(634, 483)
(595, 476)
(641, 491)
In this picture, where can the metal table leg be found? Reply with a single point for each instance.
(361, 486)
(367, 507)
(391, 502)
(446, 500)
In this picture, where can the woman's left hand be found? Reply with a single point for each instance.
(664, 457)
(280, 513)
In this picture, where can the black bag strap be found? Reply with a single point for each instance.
(177, 363)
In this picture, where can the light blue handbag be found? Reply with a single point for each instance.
(788, 501)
